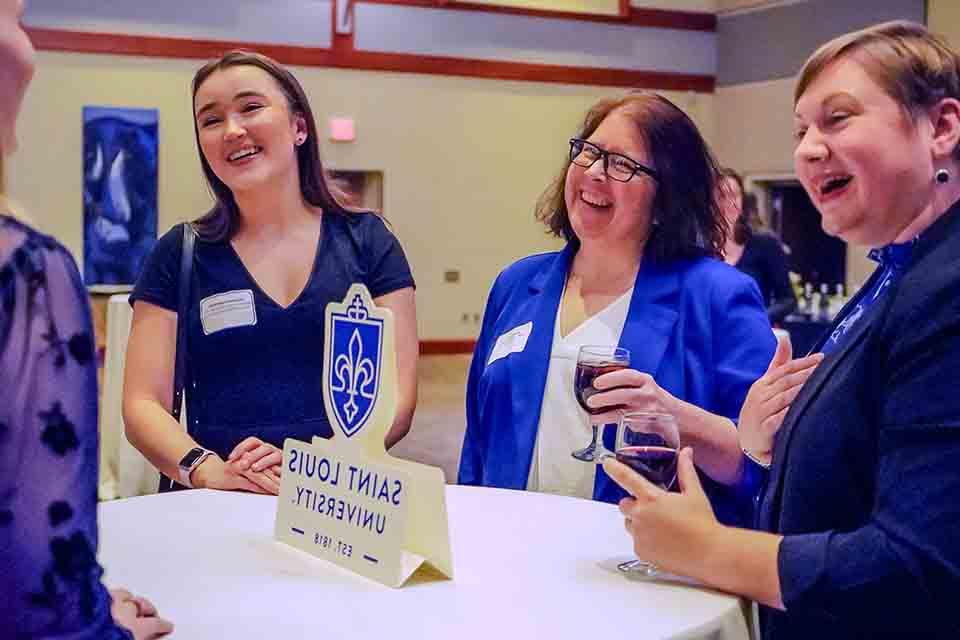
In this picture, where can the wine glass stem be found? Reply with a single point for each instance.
(593, 443)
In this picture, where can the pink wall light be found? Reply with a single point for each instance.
(342, 130)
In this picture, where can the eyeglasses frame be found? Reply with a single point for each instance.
(604, 155)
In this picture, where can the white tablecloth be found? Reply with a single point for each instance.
(527, 565)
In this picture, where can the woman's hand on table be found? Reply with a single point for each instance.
(214, 473)
(665, 526)
(254, 454)
(770, 397)
(258, 461)
(626, 391)
(138, 615)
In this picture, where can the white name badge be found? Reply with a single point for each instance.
(513, 341)
(227, 310)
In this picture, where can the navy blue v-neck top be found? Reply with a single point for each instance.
(262, 377)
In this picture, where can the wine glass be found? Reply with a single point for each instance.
(648, 444)
(593, 361)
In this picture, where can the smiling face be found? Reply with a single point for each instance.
(605, 211)
(864, 162)
(245, 129)
(16, 70)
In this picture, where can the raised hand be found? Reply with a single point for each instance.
(770, 397)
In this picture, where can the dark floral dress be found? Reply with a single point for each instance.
(49, 576)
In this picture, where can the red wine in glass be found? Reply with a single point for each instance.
(656, 464)
(647, 443)
(594, 361)
(586, 373)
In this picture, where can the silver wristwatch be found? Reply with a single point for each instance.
(190, 462)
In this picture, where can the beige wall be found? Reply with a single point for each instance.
(605, 6)
(709, 6)
(463, 159)
(585, 6)
(943, 17)
(733, 5)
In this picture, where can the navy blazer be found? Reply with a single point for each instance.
(865, 483)
(699, 327)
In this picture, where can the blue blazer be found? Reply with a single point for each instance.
(699, 327)
(865, 483)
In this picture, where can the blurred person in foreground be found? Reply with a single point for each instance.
(49, 575)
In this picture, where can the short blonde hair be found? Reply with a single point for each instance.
(913, 66)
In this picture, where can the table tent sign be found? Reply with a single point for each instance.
(345, 499)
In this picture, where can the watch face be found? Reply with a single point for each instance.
(192, 456)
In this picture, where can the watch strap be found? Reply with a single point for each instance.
(185, 472)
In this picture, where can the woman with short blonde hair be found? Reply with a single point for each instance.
(861, 525)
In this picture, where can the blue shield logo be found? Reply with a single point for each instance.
(354, 367)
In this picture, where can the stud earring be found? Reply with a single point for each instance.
(942, 176)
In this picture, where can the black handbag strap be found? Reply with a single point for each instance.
(183, 309)
(180, 358)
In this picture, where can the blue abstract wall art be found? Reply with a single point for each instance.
(119, 192)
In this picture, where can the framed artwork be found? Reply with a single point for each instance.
(119, 194)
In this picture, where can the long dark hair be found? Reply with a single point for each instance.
(687, 221)
(222, 221)
(746, 222)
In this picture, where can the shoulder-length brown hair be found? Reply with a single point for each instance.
(687, 221)
(748, 222)
(222, 221)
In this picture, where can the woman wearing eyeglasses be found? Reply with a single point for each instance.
(635, 204)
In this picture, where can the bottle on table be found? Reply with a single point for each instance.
(823, 304)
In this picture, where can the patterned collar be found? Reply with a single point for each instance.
(895, 255)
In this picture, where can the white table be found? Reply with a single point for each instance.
(526, 565)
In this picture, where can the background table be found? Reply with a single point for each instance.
(527, 565)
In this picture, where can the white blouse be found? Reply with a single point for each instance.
(564, 426)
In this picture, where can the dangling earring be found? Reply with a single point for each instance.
(942, 176)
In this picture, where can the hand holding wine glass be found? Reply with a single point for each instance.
(665, 526)
(626, 390)
(594, 361)
(648, 444)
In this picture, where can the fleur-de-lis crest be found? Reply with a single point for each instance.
(354, 373)
(352, 361)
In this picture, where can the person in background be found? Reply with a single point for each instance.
(754, 252)
(635, 204)
(860, 519)
(278, 247)
(49, 575)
